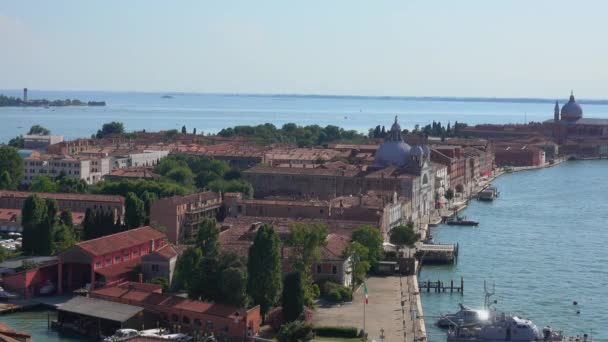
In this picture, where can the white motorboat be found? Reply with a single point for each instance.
(122, 335)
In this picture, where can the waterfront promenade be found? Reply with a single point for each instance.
(384, 314)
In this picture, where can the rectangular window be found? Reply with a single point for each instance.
(126, 257)
(334, 270)
(319, 269)
(116, 259)
(108, 262)
(98, 264)
(155, 268)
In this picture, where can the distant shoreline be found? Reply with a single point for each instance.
(468, 99)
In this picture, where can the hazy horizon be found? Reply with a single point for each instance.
(469, 48)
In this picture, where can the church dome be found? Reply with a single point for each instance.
(393, 151)
(571, 110)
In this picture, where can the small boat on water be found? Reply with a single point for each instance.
(488, 194)
(465, 315)
(122, 335)
(461, 221)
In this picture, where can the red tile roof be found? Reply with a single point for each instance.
(334, 247)
(119, 241)
(113, 271)
(167, 252)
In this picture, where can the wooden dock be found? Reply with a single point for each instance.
(440, 286)
(437, 253)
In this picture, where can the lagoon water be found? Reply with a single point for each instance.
(211, 112)
(542, 243)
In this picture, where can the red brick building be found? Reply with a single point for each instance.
(193, 316)
(106, 260)
(452, 157)
(519, 155)
(77, 203)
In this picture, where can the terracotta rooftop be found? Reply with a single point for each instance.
(301, 171)
(116, 270)
(119, 241)
(166, 251)
(138, 295)
(334, 248)
(135, 172)
(63, 196)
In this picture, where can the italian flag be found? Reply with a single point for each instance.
(365, 292)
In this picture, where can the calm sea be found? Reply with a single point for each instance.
(210, 113)
(542, 243)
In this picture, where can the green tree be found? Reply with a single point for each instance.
(34, 213)
(51, 208)
(162, 281)
(89, 226)
(5, 181)
(39, 130)
(66, 219)
(297, 331)
(205, 283)
(17, 142)
(371, 238)
(148, 198)
(186, 264)
(449, 195)
(404, 235)
(63, 238)
(111, 128)
(293, 297)
(358, 257)
(306, 241)
(207, 238)
(43, 183)
(3, 254)
(11, 162)
(181, 175)
(264, 269)
(232, 287)
(135, 214)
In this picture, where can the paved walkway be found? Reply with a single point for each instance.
(384, 310)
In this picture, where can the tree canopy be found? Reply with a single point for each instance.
(305, 242)
(303, 136)
(39, 130)
(111, 128)
(371, 238)
(12, 163)
(404, 235)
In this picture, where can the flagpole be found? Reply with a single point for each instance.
(364, 305)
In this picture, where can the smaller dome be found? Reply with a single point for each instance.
(571, 110)
(396, 126)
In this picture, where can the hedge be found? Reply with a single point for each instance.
(343, 332)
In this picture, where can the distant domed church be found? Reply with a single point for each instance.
(569, 122)
(394, 151)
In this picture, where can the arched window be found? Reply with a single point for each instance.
(425, 179)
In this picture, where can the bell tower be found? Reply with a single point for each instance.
(556, 112)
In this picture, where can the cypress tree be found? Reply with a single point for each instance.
(65, 218)
(264, 269)
(88, 224)
(135, 214)
(34, 213)
(293, 297)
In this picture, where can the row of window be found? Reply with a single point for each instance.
(76, 172)
(118, 259)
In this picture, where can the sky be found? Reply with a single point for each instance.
(486, 48)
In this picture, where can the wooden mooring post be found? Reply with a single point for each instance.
(440, 286)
